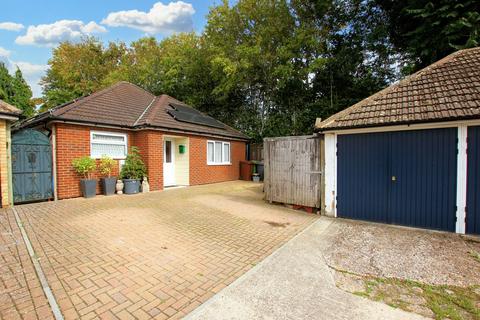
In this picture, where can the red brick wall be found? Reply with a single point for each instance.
(73, 141)
(201, 173)
(150, 145)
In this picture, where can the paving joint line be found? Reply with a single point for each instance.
(38, 269)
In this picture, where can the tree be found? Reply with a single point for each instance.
(15, 91)
(425, 31)
(78, 69)
(22, 97)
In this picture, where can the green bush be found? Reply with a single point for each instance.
(84, 166)
(106, 166)
(134, 168)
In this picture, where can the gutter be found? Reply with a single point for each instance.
(391, 124)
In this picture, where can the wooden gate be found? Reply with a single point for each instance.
(293, 170)
(31, 166)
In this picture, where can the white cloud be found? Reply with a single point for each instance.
(62, 30)
(32, 73)
(11, 26)
(4, 52)
(173, 17)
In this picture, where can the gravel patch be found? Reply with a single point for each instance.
(396, 252)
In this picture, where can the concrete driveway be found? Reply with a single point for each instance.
(294, 283)
(156, 255)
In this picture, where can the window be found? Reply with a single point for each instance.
(168, 151)
(218, 152)
(109, 144)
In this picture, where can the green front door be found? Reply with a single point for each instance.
(31, 166)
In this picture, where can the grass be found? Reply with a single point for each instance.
(475, 255)
(445, 302)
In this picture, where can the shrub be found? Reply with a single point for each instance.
(134, 168)
(106, 166)
(84, 166)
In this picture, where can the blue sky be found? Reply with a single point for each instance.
(29, 29)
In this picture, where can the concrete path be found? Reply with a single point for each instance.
(293, 283)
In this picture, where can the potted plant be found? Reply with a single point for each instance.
(85, 166)
(108, 182)
(133, 171)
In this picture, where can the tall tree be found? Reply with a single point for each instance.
(6, 89)
(22, 97)
(425, 31)
(15, 91)
(78, 69)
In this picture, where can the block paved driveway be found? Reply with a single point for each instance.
(156, 255)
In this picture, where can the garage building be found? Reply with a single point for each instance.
(410, 154)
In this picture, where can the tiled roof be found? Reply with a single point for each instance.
(129, 106)
(6, 108)
(444, 91)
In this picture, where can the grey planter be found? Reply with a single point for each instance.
(132, 186)
(88, 187)
(108, 185)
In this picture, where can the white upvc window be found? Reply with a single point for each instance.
(110, 144)
(218, 152)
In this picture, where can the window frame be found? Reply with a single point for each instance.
(222, 163)
(108, 133)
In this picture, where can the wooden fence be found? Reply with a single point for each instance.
(256, 151)
(293, 170)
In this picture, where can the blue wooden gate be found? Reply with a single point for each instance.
(31, 166)
(406, 177)
(473, 181)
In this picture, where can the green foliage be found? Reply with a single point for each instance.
(134, 168)
(270, 67)
(106, 166)
(15, 91)
(426, 31)
(78, 69)
(84, 166)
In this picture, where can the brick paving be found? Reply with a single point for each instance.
(21, 295)
(156, 255)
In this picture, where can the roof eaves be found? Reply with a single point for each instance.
(327, 123)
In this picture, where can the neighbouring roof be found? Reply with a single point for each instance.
(129, 106)
(8, 109)
(444, 91)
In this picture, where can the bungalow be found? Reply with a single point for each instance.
(410, 154)
(8, 114)
(179, 145)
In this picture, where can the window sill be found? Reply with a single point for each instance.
(219, 164)
(98, 158)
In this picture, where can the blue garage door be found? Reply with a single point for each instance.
(473, 181)
(406, 178)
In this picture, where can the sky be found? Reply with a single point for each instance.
(29, 29)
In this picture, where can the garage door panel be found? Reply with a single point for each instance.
(423, 191)
(362, 173)
(405, 177)
(473, 181)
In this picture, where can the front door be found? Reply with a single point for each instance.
(168, 163)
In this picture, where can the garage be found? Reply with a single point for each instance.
(473, 181)
(410, 154)
(404, 177)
